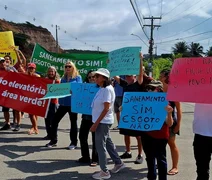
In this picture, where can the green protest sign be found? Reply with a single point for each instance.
(84, 62)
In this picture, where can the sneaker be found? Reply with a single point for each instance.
(51, 144)
(101, 175)
(72, 147)
(118, 167)
(17, 128)
(139, 159)
(126, 155)
(115, 128)
(6, 127)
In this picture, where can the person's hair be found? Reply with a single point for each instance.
(57, 76)
(86, 77)
(8, 57)
(166, 74)
(74, 72)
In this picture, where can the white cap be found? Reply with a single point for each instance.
(2, 59)
(103, 72)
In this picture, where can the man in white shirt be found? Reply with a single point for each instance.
(202, 128)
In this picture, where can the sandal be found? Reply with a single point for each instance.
(171, 172)
(31, 131)
(93, 164)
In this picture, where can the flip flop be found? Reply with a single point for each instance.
(171, 172)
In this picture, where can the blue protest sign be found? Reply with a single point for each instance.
(124, 61)
(143, 111)
(57, 91)
(82, 97)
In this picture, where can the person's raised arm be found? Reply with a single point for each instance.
(117, 79)
(23, 59)
(140, 76)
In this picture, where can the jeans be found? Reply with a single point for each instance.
(83, 137)
(62, 110)
(155, 149)
(50, 116)
(202, 152)
(103, 143)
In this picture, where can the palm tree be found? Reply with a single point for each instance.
(180, 48)
(209, 52)
(195, 50)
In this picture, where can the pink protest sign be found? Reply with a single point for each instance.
(191, 80)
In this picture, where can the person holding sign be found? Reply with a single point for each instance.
(53, 75)
(131, 84)
(84, 131)
(71, 75)
(175, 128)
(103, 118)
(202, 144)
(154, 142)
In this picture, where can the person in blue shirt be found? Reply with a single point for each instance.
(71, 75)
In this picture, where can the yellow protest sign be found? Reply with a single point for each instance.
(6, 40)
(11, 53)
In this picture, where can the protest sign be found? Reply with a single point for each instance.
(191, 80)
(84, 62)
(143, 111)
(22, 92)
(82, 97)
(11, 53)
(6, 40)
(57, 91)
(124, 61)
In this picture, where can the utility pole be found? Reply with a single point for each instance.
(57, 46)
(151, 41)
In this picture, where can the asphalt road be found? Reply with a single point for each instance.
(25, 157)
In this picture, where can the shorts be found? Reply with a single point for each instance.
(171, 130)
(117, 103)
(5, 109)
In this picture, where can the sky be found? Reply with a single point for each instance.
(108, 24)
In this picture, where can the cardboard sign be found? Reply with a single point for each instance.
(124, 61)
(82, 97)
(6, 40)
(143, 111)
(191, 80)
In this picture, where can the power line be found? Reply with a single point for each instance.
(189, 28)
(149, 8)
(173, 8)
(138, 19)
(34, 19)
(185, 37)
(180, 13)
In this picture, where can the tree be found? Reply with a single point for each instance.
(209, 52)
(180, 48)
(195, 50)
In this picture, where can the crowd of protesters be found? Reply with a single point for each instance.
(106, 102)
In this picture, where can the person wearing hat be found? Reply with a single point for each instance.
(31, 71)
(154, 142)
(103, 118)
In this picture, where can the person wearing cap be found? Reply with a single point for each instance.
(175, 128)
(154, 142)
(133, 84)
(71, 75)
(103, 118)
(31, 71)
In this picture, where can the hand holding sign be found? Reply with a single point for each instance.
(143, 111)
